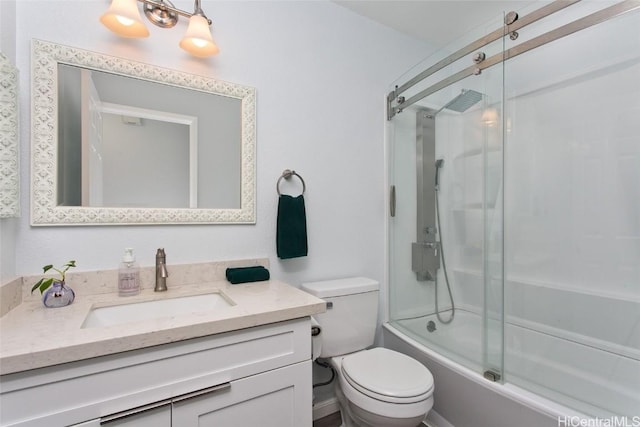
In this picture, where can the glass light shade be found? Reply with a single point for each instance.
(198, 40)
(123, 18)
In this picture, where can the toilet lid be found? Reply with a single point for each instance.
(381, 372)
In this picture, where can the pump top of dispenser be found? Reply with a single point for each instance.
(128, 256)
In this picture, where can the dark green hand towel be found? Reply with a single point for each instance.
(291, 232)
(247, 274)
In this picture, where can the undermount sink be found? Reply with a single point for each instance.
(147, 310)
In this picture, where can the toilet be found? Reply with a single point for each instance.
(375, 387)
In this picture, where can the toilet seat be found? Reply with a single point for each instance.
(387, 376)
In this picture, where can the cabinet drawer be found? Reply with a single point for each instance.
(278, 398)
(96, 387)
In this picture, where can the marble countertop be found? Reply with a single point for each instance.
(32, 336)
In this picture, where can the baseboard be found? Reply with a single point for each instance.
(434, 419)
(324, 408)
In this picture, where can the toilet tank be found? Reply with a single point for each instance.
(349, 324)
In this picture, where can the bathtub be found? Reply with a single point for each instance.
(539, 361)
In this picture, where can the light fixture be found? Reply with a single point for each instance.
(198, 40)
(124, 19)
(490, 117)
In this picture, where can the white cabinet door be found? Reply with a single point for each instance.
(277, 398)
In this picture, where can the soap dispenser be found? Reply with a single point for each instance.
(128, 274)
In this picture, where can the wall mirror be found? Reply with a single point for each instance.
(121, 142)
(9, 137)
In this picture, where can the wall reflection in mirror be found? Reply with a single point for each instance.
(126, 142)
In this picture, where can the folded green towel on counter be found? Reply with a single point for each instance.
(247, 274)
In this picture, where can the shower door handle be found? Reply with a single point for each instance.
(392, 201)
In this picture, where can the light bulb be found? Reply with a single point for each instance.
(125, 21)
(199, 42)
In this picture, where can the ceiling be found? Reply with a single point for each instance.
(438, 22)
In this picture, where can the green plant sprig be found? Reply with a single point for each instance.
(44, 283)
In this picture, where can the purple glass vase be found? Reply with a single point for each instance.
(58, 295)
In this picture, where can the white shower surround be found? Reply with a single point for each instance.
(549, 352)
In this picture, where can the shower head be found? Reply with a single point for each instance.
(464, 101)
(439, 163)
(461, 103)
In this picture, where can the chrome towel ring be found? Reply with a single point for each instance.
(287, 174)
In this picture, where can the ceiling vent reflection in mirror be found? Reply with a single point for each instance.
(213, 173)
(9, 137)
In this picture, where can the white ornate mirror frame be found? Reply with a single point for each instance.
(9, 137)
(44, 142)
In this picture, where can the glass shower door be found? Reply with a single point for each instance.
(445, 159)
(572, 206)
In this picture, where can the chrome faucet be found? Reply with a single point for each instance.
(161, 271)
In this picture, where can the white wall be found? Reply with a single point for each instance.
(8, 226)
(321, 75)
(8, 28)
(8, 230)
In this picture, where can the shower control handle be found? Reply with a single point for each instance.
(425, 260)
(430, 230)
(434, 246)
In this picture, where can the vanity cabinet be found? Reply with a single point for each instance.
(256, 376)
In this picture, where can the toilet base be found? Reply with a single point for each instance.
(354, 416)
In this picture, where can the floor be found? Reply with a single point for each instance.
(332, 420)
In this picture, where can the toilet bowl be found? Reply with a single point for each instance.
(377, 387)
(382, 388)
